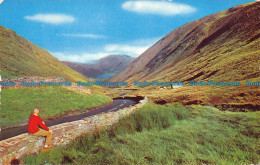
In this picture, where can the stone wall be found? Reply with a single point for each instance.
(13, 149)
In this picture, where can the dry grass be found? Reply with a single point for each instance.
(230, 97)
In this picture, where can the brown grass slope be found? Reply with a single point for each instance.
(220, 47)
(19, 57)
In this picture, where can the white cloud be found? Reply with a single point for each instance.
(80, 57)
(125, 49)
(55, 19)
(1, 1)
(158, 7)
(132, 48)
(85, 35)
(145, 41)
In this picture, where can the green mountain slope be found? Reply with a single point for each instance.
(220, 47)
(19, 57)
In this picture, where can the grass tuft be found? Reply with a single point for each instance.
(171, 134)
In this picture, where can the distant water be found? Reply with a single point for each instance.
(104, 76)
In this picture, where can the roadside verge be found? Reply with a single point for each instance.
(19, 146)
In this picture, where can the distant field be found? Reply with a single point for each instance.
(171, 134)
(236, 98)
(18, 103)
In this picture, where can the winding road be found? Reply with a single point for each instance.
(116, 105)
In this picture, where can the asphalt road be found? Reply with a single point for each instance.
(116, 105)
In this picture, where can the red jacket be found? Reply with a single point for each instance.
(34, 123)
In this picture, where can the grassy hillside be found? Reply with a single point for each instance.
(17, 103)
(19, 57)
(222, 47)
(171, 134)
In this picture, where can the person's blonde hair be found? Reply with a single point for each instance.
(36, 108)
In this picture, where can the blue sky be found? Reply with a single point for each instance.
(86, 30)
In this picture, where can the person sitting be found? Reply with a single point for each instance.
(37, 127)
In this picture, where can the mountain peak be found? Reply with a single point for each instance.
(110, 65)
